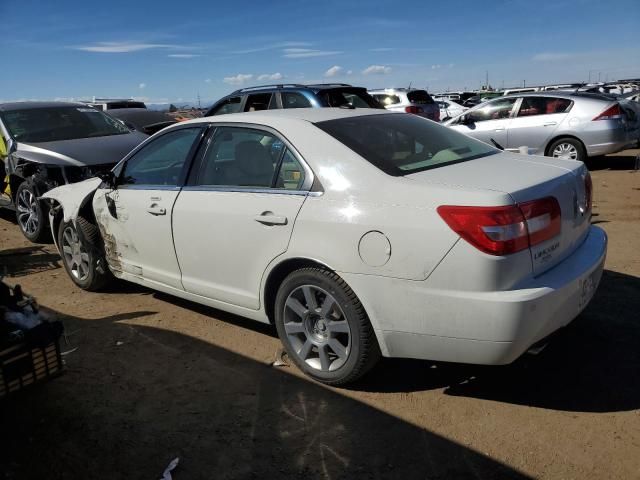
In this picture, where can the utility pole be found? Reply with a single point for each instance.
(199, 106)
(486, 83)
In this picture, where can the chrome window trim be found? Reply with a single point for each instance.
(231, 189)
(148, 187)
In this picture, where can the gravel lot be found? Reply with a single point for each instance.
(154, 378)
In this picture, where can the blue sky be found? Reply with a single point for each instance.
(164, 51)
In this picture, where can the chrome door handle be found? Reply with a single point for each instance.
(155, 209)
(268, 218)
(499, 129)
(550, 124)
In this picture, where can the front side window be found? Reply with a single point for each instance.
(543, 106)
(294, 100)
(230, 105)
(246, 157)
(160, 162)
(496, 110)
(404, 144)
(51, 124)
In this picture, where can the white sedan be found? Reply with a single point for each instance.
(358, 233)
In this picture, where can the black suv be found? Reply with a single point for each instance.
(270, 97)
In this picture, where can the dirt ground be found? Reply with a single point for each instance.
(154, 378)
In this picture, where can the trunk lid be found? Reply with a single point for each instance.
(527, 178)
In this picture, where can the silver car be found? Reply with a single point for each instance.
(568, 125)
(408, 100)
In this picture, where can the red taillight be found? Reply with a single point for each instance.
(610, 113)
(413, 109)
(506, 229)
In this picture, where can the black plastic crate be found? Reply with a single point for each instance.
(34, 359)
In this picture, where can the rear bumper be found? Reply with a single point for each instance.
(489, 328)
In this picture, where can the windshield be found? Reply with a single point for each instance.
(355, 97)
(51, 124)
(400, 144)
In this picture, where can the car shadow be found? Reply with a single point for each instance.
(135, 397)
(586, 367)
(17, 262)
(589, 366)
(612, 162)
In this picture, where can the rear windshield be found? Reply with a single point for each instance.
(355, 97)
(419, 96)
(51, 124)
(401, 144)
(386, 99)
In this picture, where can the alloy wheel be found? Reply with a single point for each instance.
(27, 211)
(75, 255)
(317, 328)
(565, 151)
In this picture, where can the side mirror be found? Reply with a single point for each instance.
(108, 179)
(464, 120)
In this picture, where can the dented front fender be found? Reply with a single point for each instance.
(73, 197)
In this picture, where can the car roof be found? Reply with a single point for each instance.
(33, 105)
(312, 115)
(569, 95)
(316, 87)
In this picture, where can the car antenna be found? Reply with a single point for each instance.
(410, 83)
(497, 145)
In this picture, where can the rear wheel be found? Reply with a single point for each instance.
(82, 258)
(324, 328)
(31, 213)
(567, 149)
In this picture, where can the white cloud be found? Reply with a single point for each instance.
(307, 53)
(271, 47)
(271, 76)
(142, 86)
(238, 79)
(376, 70)
(382, 49)
(333, 71)
(183, 55)
(121, 47)
(550, 57)
(208, 80)
(349, 72)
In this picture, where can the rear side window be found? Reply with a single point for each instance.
(258, 101)
(230, 105)
(387, 99)
(543, 106)
(419, 96)
(294, 100)
(355, 97)
(400, 144)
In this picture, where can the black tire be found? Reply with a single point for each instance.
(580, 152)
(32, 214)
(92, 273)
(362, 350)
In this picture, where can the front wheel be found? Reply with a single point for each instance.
(567, 149)
(324, 328)
(81, 256)
(31, 213)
